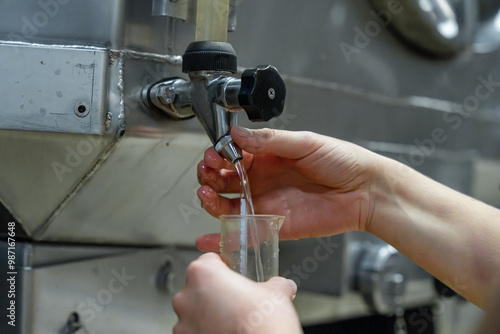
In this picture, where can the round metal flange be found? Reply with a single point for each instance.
(380, 280)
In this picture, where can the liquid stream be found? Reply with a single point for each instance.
(247, 208)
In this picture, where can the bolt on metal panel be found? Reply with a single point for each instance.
(53, 89)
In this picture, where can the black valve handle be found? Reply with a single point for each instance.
(262, 93)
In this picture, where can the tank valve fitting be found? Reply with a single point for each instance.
(214, 95)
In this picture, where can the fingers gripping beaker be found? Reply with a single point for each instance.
(249, 244)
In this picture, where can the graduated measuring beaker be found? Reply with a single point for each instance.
(249, 244)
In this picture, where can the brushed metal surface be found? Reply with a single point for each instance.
(47, 88)
(111, 289)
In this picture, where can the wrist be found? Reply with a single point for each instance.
(388, 193)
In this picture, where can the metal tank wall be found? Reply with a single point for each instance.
(385, 96)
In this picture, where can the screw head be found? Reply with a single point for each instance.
(82, 109)
(271, 93)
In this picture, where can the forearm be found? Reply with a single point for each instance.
(452, 236)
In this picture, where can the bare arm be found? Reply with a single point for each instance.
(454, 237)
(326, 186)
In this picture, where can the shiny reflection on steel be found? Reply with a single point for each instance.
(227, 93)
(440, 28)
(171, 97)
(178, 9)
(232, 19)
(228, 149)
(175, 60)
(216, 119)
(210, 95)
(379, 278)
(487, 38)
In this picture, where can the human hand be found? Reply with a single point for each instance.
(320, 184)
(217, 300)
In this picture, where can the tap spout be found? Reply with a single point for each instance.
(214, 113)
(214, 96)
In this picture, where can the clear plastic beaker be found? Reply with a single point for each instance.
(249, 244)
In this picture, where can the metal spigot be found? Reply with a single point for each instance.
(214, 96)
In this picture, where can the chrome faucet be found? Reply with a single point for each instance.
(214, 96)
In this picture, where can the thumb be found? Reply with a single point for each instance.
(282, 286)
(286, 144)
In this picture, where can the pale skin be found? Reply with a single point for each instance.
(324, 186)
(216, 300)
